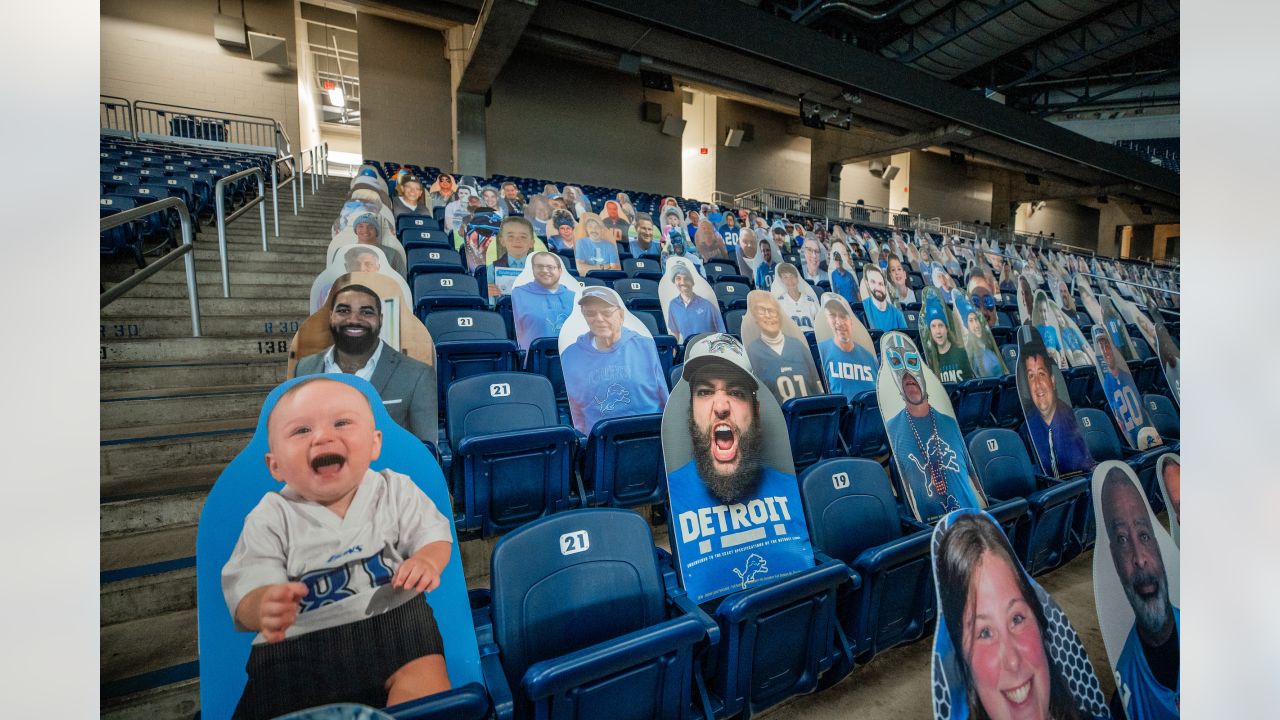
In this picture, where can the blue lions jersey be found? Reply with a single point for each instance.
(848, 373)
(789, 374)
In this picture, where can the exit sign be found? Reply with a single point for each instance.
(703, 151)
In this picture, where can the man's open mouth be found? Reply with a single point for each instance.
(724, 443)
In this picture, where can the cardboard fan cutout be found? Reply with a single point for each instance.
(778, 349)
(1132, 315)
(979, 343)
(401, 329)
(1089, 300)
(475, 234)
(898, 283)
(594, 247)
(542, 298)
(366, 230)
(1116, 328)
(748, 252)
(1002, 643)
(878, 304)
(458, 208)
(340, 570)
(507, 256)
(708, 242)
(645, 239)
(538, 212)
(933, 462)
(1169, 472)
(1170, 357)
(1078, 350)
(1136, 583)
(356, 258)
(689, 305)
(1123, 398)
(354, 207)
(943, 349)
(841, 273)
(609, 360)
(1059, 445)
(1046, 321)
(848, 355)
(797, 298)
(1026, 300)
(736, 519)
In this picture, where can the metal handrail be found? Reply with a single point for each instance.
(1125, 282)
(184, 250)
(256, 126)
(219, 190)
(133, 131)
(275, 186)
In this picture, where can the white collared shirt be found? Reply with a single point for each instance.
(364, 373)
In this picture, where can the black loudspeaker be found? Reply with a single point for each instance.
(656, 80)
(651, 112)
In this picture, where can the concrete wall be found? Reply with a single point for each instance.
(857, 183)
(698, 171)
(1071, 222)
(772, 159)
(940, 188)
(404, 85)
(164, 51)
(553, 119)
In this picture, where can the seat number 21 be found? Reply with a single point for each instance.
(574, 542)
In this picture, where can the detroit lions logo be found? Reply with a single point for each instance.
(614, 397)
(756, 566)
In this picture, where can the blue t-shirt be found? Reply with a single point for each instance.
(720, 548)
(845, 285)
(625, 380)
(590, 252)
(944, 453)
(699, 316)
(539, 312)
(764, 276)
(1143, 696)
(1068, 453)
(848, 373)
(788, 374)
(891, 318)
(730, 235)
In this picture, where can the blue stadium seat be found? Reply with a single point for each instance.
(123, 238)
(1160, 410)
(543, 358)
(1006, 472)
(731, 295)
(1006, 408)
(511, 457)
(426, 260)
(776, 640)
(437, 291)
(733, 321)
(416, 222)
(973, 400)
(675, 374)
(638, 294)
(609, 276)
(854, 518)
(716, 269)
(864, 428)
(813, 426)
(644, 268)
(1080, 381)
(623, 466)
(1104, 443)
(412, 238)
(469, 342)
(579, 627)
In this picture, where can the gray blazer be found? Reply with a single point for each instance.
(407, 387)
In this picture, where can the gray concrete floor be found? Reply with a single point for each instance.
(895, 685)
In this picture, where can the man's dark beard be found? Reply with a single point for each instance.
(353, 345)
(741, 482)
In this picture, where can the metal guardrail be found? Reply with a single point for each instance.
(318, 165)
(116, 114)
(1124, 282)
(219, 191)
(275, 187)
(184, 250)
(182, 123)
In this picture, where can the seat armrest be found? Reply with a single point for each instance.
(468, 701)
(552, 677)
(682, 602)
(1059, 492)
(895, 552)
(761, 598)
(855, 579)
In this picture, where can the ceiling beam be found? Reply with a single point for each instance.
(913, 141)
(493, 38)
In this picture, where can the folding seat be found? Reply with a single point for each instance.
(644, 268)
(638, 294)
(864, 431)
(424, 261)
(569, 259)
(733, 321)
(511, 459)
(416, 222)
(854, 518)
(1006, 472)
(608, 276)
(122, 238)
(412, 238)
(1104, 443)
(594, 282)
(469, 342)
(1080, 381)
(1160, 411)
(578, 625)
(814, 425)
(973, 401)
(724, 272)
(622, 466)
(674, 375)
(436, 291)
(793, 258)
(731, 295)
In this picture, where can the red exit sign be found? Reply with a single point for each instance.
(703, 151)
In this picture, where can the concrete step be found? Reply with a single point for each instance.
(181, 409)
(186, 349)
(147, 644)
(210, 326)
(116, 380)
(142, 597)
(309, 264)
(213, 289)
(149, 530)
(176, 277)
(129, 307)
(123, 460)
(283, 255)
(178, 701)
(187, 478)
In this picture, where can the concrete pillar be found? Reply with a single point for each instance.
(469, 154)
(1003, 208)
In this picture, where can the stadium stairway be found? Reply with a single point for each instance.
(174, 411)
